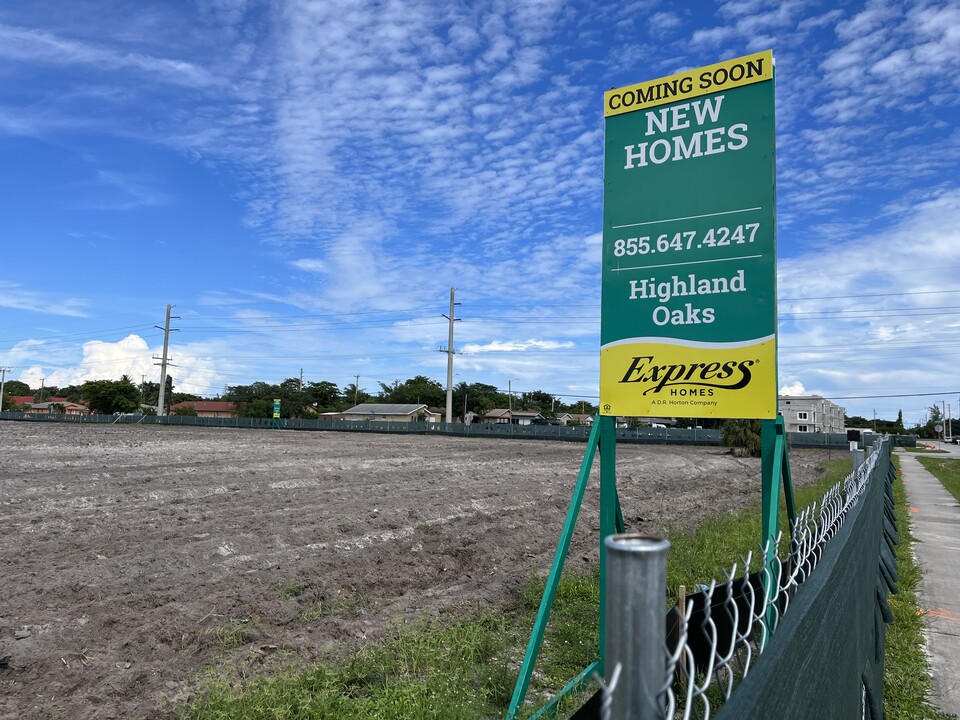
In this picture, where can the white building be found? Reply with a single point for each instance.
(810, 413)
(392, 412)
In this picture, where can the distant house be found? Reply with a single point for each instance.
(575, 418)
(22, 400)
(527, 417)
(501, 416)
(392, 412)
(58, 405)
(661, 422)
(208, 408)
(332, 416)
(497, 416)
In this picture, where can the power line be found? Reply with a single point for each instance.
(866, 314)
(870, 295)
(90, 333)
(333, 326)
(861, 273)
(876, 397)
(784, 362)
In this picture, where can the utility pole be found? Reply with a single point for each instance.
(943, 422)
(450, 351)
(42, 381)
(356, 389)
(161, 406)
(510, 393)
(3, 381)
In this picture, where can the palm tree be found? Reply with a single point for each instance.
(743, 436)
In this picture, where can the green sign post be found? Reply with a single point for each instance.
(688, 317)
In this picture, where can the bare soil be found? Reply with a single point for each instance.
(132, 558)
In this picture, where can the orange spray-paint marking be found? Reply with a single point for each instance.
(940, 613)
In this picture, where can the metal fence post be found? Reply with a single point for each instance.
(636, 589)
(858, 458)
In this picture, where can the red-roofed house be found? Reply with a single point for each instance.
(58, 405)
(208, 408)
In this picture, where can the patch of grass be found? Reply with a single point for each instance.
(429, 671)
(231, 636)
(320, 607)
(946, 471)
(710, 549)
(291, 589)
(906, 678)
(570, 641)
(314, 611)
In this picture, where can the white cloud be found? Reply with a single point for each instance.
(663, 22)
(118, 191)
(794, 389)
(313, 265)
(36, 46)
(515, 346)
(15, 296)
(131, 356)
(100, 360)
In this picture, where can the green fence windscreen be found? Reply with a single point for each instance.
(826, 658)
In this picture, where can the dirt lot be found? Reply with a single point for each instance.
(134, 557)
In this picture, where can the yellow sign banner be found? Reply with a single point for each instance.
(656, 377)
(690, 84)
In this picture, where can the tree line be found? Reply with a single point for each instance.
(101, 396)
(308, 399)
(298, 398)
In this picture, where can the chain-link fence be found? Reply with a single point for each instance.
(792, 634)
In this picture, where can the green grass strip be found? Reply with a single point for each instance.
(710, 549)
(429, 671)
(906, 676)
(946, 471)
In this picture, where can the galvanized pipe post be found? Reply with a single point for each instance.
(858, 457)
(635, 636)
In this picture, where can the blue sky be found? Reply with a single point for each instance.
(305, 181)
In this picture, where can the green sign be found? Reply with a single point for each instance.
(276, 408)
(688, 312)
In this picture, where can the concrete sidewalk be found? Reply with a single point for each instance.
(935, 522)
